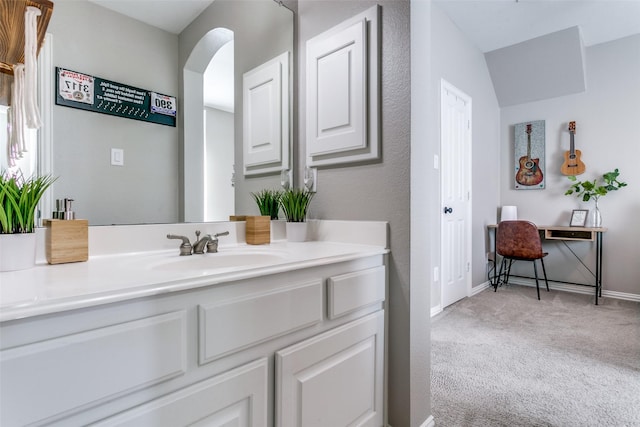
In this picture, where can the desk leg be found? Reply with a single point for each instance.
(598, 266)
(494, 282)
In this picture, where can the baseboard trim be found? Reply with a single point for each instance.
(436, 310)
(621, 295)
(577, 289)
(477, 289)
(429, 422)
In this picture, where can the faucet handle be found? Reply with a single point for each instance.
(212, 246)
(185, 247)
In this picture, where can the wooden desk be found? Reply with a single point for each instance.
(555, 232)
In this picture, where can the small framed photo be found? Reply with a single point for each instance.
(579, 217)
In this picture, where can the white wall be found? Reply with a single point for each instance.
(455, 59)
(423, 197)
(380, 191)
(91, 39)
(606, 117)
(219, 193)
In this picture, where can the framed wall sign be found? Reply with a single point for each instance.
(579, 217)
(85, 92)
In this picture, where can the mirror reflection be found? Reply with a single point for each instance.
(199, 159)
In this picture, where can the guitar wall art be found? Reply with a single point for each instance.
(529, 155)
(573, 164)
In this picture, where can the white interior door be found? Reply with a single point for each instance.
(455, 178)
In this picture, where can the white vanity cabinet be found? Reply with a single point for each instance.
(297, 348)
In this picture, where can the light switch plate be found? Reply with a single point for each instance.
(117, 157)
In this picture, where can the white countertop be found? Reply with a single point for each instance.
(104, 279)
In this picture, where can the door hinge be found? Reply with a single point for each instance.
(468, 267)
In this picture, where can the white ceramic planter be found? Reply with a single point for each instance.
(297, 231)
(17, 251)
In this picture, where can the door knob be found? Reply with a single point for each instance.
(448, 210)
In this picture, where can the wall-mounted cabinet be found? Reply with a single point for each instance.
(266, 117)
(342, 93)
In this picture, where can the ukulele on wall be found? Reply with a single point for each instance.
(529, 173)
(572, 164)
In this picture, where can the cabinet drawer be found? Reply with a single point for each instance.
(234, 324)
(50, 378)
(352, 291)
(237, 397)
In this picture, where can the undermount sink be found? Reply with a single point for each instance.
(220, 260)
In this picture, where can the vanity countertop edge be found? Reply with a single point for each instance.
(48, 289)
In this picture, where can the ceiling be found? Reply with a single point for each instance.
(170, 15)
(493, 24)
(490, 24)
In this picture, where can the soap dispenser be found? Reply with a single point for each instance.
(67, 238)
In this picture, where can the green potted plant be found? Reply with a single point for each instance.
(19, 198)
(593, 190)
(295, 204)
(258, 228)
(268, 202)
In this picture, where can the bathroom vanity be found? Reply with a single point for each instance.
(285, 334)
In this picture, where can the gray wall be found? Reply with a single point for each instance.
(378, 191)
(545, 67)
(606, 116)
(262, 30)
(455, 59)
(93, 40)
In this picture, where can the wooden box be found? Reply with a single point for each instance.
(67, 240)
(258, 230)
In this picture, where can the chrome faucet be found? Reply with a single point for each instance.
(211, 243)
(199, 245)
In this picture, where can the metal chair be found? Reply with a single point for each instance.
(520, 241)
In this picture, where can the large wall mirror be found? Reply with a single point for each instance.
(200, 158)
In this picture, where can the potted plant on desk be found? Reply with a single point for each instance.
(589, 190)
(19, 198)
(294, 203)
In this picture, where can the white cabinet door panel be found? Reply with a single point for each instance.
(236, 398)
(58, 376)
(266, 117)
(333, 379)
(337, 69)
(342, 104)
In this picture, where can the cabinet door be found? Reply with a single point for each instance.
(235, 398)
(333, 379)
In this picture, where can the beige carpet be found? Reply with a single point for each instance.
(506, 359)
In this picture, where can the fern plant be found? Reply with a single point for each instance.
(268, 202)
(294, 203)
(19, 198)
